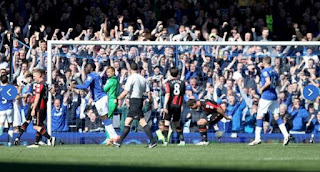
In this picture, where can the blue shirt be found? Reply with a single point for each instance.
(299, 119)
(4, 103)
(270, 92)
(316, 124)
(59, 119)
(95, 82)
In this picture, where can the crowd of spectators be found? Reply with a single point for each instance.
(226, 74)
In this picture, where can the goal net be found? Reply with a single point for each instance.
(228, 73)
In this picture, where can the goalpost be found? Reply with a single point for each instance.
(50, 44)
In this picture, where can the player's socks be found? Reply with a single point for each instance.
(165, 132)
(107, 135)
(147, 130)
(203, 132)
(45, 133)
(124, 134)
(282, 127)
(38, 137)
(109, 128)
(22, 129)
(1, 130)
(10, 134)
(258, 129)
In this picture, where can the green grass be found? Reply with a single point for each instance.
(227, 157)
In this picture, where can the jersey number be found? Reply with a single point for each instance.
(176, 90)
(4, 101)
(273, 82)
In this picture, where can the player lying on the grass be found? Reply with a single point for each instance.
(6, 110)
(39, 107)
(213, 114)
(175, 89)
(269, 102)
(100, 98)
(112, 88)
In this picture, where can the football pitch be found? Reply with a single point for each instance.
(214, 157)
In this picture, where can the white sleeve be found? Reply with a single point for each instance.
(147, 86)
(128, 84)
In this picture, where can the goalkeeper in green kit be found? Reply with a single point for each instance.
(112, 88)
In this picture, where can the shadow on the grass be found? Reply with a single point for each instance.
(79, 167)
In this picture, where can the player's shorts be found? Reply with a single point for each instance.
(38, 119)
(268, 105)
(135, 109)
(212, 118)
(174, 113)
(112, 107)
(102, 105)
(6, 115)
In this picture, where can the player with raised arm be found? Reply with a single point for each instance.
(268, 102)
(175, 89)
(112, 88)
(94, 82)
(6, 110)
(39, 107)
(213, 113)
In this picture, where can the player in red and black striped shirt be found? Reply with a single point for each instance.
(213, 112)
(39, 106)
(175, 89)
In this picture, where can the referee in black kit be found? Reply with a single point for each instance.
(135, 86)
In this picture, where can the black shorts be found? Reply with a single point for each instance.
(135, 109)
(39, 118)
(212, 118)
(174, 113)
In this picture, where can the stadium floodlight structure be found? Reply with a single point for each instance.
(50, 44)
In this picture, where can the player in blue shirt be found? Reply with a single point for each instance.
(6, 110)
(100, 97)
(268, 102)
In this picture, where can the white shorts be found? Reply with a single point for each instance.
(268, 105)
(6, 115)
(102, 105)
